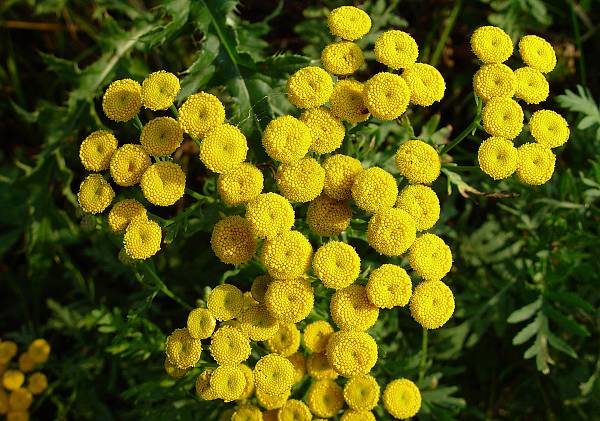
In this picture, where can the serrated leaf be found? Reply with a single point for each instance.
(527, 332)
(561, 345)
(525, 312)
(581, 102)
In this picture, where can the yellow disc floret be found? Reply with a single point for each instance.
(325, 398)
(161, 136)
(201, 323)
(202, 385)
(13, 379)
(274, 374)
(300, 181)
(396, 49)
(402, 399)
(163, 183)
(351, 309)
(128, 163)
(225, 302)
(123, 212)
(326, 130)
(223, 148)
(228, 382)
(353, 415)
(269, 215)
(316, 335)
(362, 392)
(232, 240)
(389, 286)
(340, 173)
(97, 149)
(8, 349)
(421, 203)
(229, 346)
(257, 323)
(430, 257)
(299, 363)
(491, 44)
(95, 194)
(532, 86)
(286, 139)
(493, 80)
(240, 185)
(418, 161)
(20, 399)
(142, 238)
(294, 410)
(271, 401)
(286, 340)
(328, 217)
(318, 367)
(183, 350)
(26, 363)
(391, 232)
(374, 190)
(200, 113)
(249, 389)
(352, 353)
(159, 90)
(348, 22)
(549, 128)
(39, 350)
(497, 157)
(122, 100)
(37, 383)
(425, 82)
(386, 95)
(535, 163)
(247, 413)
(287, 256)
(336, 264)
(342, 58)
(538, 53)
(347, 101)
(502, 117)
(432, 304)
(309, 87)
(290, 301)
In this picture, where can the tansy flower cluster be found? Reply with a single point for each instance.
(265, 341)
(502, 116)
(20, 378)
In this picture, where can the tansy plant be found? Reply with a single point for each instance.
(266, 349)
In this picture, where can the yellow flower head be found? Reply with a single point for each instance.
(290, 301)
(294, 410)
(232, 240)
(240, 185)
(228, 382)
(300, 181)
(13, 379)
(299, 363)
(271, 401)
(362, 392)
(257, 323)
(286, 340)
(159, 90)
(396, 49)
(348, 22)
(309, 87)
(122, 100)
(286, 139)
(274, 374)
(325, 398)
(163, 183)
(201, 323)
(259, 287)
(223, 148)
(535, 163)
(183, 350)
(336, 264)
(97, 149)
(430, 257)
(402, 398)
(326, 130)
(202, 386)
(493, 80)
(4, 402)
(318, 367)
(340, 173)
(95, 194)
(201, 113)
(532, 86)
(249, 301)
(342, 58)
(391, 232)
(142, 238)
(418, 161)
(503, 117)
(374, 190)
(161, 136)
(173, 371)
(20, 399)
(538, 53)
(316, 336)
(491, 44)
(497, 157)
(26, 363)
(229, 346)
(269, 215)
(421, 203)
(8, 349)
(247, 412)
(37, 383)
(287, 256)
(351, 309)
(432, 304)
(353, 415)
(425, 82)
(386, 95)
(123, 212)
(328, 217)
(128, 163)
(225, 302)
(549, 128)
(249, 389)
(39, 350)
(347, 101)
(389, 286)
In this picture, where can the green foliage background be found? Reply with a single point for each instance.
(523, 343)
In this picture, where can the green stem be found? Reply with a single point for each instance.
(174, 111)
(461, 167)
(423, 356)
(462, 135)
(577, 32)
(405, 123)
(198, 196)
(435, 57)
(138, 123)
(162, 286)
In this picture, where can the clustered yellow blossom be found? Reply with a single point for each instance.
(502, 116)
(20, 378)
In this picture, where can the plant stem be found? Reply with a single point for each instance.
(577, 32)
(198, 196)
(162, 286)
(174, 111)
(474, 124)
(423, 356)
(138, 123)
(435, 57)
(460, 167)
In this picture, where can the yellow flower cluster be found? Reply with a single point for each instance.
(19, 380)
(496, 84)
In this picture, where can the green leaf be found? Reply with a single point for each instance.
(527, 332)
(565, 322)
(525, 312)
(570, 299)
(561, 345)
